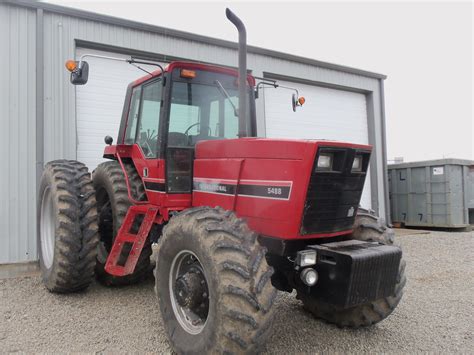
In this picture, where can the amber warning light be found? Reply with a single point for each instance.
(71, 65)
(186, 73)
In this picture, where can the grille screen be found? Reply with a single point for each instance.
(333, 196)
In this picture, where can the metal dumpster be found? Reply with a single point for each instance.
(435, 193)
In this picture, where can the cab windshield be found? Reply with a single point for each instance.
(203, 108)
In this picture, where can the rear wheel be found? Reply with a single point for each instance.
(369, 228)
(112, 205)
(67, 226)
(213, 284)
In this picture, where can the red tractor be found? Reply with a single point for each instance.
(235, 217)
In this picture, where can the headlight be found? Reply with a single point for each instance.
(306, 258)
(325, 161)
(309, 276)
(357, 163)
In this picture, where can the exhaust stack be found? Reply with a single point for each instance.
(242, 71)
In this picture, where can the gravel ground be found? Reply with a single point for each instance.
(435, 315)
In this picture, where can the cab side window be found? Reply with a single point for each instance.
(133, 111)
(149, 119)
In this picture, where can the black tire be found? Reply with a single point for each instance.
(241, 296)
(67, 218)
(112, 206)
(367, 227)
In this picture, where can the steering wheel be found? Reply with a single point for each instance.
(195, 124)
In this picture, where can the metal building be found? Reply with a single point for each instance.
(434, 193)
(43, 117)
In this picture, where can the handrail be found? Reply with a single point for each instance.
(130, 197)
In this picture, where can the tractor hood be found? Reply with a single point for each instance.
(260, 148)
(275, 185)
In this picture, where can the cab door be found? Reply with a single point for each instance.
(184, 122)
(142, 132)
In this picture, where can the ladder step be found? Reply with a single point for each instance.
(127, 238)
(135, 241)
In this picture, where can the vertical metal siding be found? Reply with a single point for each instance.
(17, 134)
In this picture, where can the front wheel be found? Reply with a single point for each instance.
(213, 284)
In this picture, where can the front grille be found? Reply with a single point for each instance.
(333, 196)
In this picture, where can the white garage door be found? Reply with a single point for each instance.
(327, 114)
(99, 103)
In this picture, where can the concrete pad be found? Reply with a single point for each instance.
(9, 271)
(405, 231)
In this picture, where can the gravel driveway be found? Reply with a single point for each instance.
(435, 315)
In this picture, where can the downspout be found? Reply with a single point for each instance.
(39, 114)
(384, 155)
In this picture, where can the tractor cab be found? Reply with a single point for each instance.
(186, 104)
(167, 113)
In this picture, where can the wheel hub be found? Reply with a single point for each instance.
(189, 292)
(190, 289)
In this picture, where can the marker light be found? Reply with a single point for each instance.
(325, 161)
(309, 276)
(357, 163)
(189, 74)
(71, 65)
(306, 258)
(301, 101)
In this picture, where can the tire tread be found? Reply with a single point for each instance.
(246, 296)
(77, 231)
(110, 173)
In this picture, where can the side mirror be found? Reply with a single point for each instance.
(297, 101)
(79, 71)
(108, 140)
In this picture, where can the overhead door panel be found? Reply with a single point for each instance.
(327, 114)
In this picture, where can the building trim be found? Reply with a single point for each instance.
(39, 96)
(374, 181)
(327, 85)
(139, 54)
(151, 56)
(189, 36)
(384, 154)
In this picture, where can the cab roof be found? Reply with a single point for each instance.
(196, 66)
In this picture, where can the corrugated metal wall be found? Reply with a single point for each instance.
(17, 134)
(17, 102)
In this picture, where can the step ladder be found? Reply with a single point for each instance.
(126, 237)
